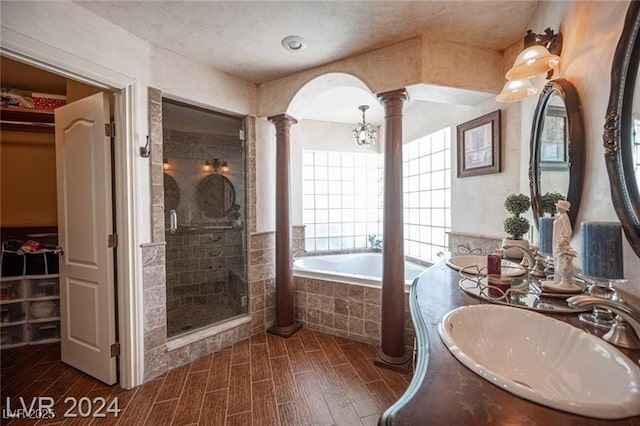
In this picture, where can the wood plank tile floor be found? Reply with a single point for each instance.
(309, 379)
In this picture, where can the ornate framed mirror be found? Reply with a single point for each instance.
(215, 196)
(622, 129)
(556, 161)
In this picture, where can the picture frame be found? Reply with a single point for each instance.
(479, 145)
(554, 139)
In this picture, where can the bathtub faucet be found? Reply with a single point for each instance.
(293, 254)
(375, 241)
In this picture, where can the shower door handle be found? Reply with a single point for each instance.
(173, 221)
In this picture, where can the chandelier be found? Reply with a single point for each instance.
(364, 133)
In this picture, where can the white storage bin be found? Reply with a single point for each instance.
(11, 289)
(43, 287)
(44, 331)
(12, 313)
(44, 309)
(12, 336)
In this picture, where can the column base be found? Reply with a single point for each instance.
(401, 364)
(285, 332)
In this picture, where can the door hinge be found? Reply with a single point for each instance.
(110, 130)
(115, 350)
(112, 241)
(241, 135)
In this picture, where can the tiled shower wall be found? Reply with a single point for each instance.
(260, 265)
(205, 278)
(186, 153)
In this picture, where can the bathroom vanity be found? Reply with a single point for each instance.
(443, 391)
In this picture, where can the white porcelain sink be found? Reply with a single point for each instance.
(510, 269)
(543, 360)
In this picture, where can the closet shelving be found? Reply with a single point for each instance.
(31, 119)
(29, 310)
(29, 304)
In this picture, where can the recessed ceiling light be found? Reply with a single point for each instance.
(294, 43)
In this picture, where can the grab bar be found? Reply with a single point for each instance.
(173, 221)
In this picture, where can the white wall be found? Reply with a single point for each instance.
(321, 136)
(590, 31)
(70, 37)
(265, 176)
(476, 201)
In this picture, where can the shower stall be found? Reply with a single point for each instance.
(204, 205)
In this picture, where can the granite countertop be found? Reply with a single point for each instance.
(450, 393)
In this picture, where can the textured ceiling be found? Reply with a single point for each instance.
(243, 38)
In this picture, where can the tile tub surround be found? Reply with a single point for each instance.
(342, 309)
(297, 238)
(487, 244)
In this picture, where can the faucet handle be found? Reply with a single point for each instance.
(626, 326)
(622, 334)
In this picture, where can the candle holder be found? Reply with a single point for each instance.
(602, 250)
(602, 262)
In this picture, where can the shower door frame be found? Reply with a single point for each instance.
(191, 103)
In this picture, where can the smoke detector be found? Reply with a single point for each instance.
(294, 43)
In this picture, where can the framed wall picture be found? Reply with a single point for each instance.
(479, 145)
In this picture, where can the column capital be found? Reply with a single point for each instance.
(280, 119)
(393, 96)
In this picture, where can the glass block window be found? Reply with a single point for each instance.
(341, 199)
(427, 194)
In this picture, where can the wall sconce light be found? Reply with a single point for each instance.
(220, 166)
(206, 167)
(540, 55)
(165, 164)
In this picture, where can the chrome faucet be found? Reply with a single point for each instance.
(293, 254)
(375, 241)
(625, 331)
(534, 261)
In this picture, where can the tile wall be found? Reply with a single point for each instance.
(347, 310)
(205, 278)
(159, 356)
(463, 243)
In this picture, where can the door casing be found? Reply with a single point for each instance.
(126, 173)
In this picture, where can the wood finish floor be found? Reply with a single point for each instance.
(311, 378)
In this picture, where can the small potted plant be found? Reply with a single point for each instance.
(549, 200)
(516, 226)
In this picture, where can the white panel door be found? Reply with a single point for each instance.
(87, 301)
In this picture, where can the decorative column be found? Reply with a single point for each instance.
(285, 325)
(392, 353)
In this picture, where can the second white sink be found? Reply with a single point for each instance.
(543, 360)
